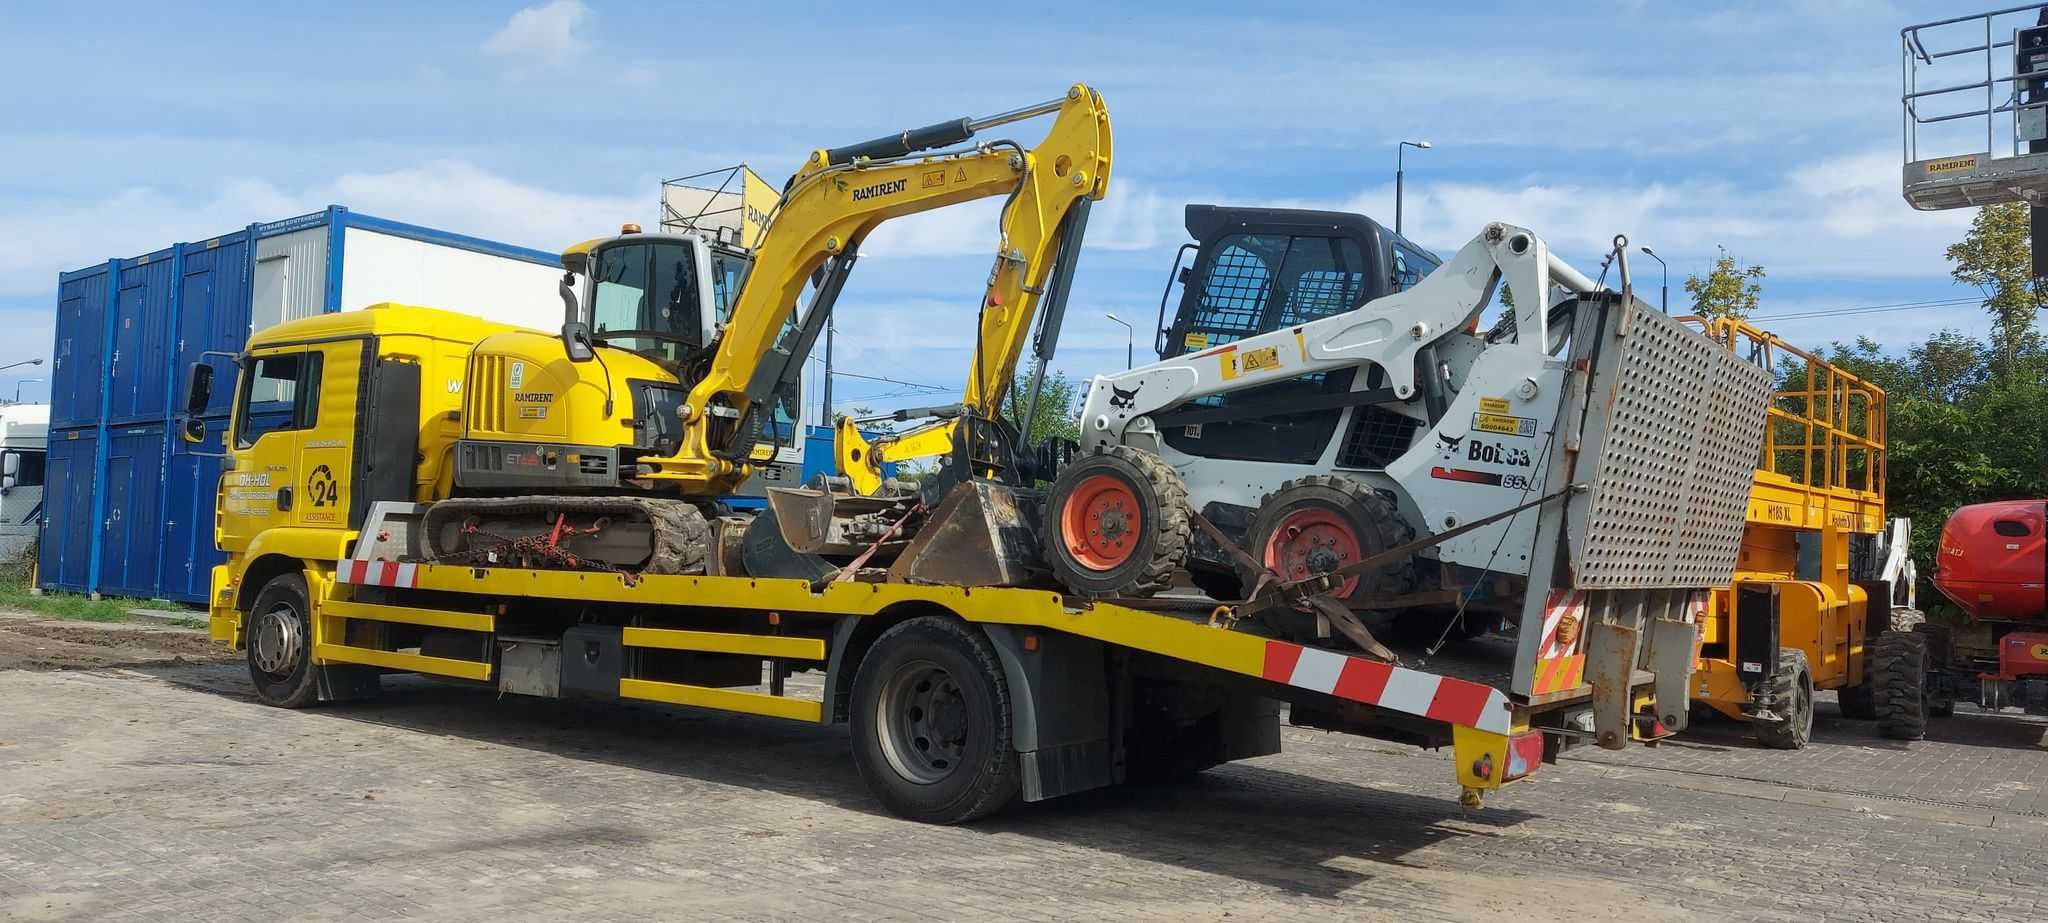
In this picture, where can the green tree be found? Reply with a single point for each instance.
(1995, 257)
(1729, 290)
(1058, 410)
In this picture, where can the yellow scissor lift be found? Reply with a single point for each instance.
(1811, 604)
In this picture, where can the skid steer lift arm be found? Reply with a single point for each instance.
(838, 198)
(1388, 332)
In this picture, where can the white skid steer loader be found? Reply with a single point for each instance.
(1318, 440)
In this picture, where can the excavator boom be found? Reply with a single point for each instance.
(839, 197)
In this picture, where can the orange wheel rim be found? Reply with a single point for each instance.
(1101, 522)
(1313, 541)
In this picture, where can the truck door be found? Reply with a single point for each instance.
(323, 493)
(277, 400)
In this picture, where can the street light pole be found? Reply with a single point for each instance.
(1663, 296)
(1130, 337)
(17, 388)
(23, 362)
(1399, 168)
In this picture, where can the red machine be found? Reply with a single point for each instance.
(1993, 563)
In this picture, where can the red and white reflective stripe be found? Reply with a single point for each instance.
(1560, 604)
(1414, 692)
(377, 573)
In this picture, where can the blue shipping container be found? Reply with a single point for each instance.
(128, 508)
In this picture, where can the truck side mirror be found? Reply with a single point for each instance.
(192, 430)
(10, 464)
(199, 390)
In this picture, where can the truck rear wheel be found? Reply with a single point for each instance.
(931, 723)
(1116, 524)
(1793, 688)
(280, 643)
(1898, 660)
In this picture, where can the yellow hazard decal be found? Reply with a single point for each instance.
(1948, 165)
(1196, 340)
(1493, 405)
(1263, 359)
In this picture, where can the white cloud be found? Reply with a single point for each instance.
(1841, 217)
(546, 32)
(58, 234)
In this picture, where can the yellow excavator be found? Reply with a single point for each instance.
(608, 445)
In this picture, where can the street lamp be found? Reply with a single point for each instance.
(1399, 150)
(23, 362)
(17, 388)
(1664, 296)
(1129, 337)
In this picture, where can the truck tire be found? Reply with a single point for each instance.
(1793, 688)
(1941, 701)
(1116, 524)
(1898, 662)
(280, 643)
(931, 723)
(1322, 522)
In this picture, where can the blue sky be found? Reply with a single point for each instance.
(1770, 128)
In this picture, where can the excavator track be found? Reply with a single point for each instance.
(637, 535)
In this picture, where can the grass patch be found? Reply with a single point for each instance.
(14, 594)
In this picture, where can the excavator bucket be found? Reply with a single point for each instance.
(980, 535)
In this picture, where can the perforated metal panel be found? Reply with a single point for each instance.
(1675, 425)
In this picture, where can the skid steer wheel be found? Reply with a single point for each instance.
(1898, 661)
(1116, 524)
(1941, 700)
(1320, 523)
(280, 643)
(931, 723)
(1792, 686)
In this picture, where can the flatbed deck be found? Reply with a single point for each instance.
(1462, 687)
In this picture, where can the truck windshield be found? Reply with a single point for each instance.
(646, 298)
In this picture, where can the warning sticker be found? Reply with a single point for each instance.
(1262, 359)
(1493, 405)
(1196, 340)
(1504, 425)
(516, 379)
(934, 178)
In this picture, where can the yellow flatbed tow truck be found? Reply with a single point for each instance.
(962, 699)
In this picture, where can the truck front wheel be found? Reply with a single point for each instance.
(931, 723)
(280, 643)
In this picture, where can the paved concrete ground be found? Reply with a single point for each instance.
(163, 792)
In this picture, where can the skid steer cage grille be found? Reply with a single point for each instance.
(1675, 426)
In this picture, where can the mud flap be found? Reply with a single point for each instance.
(1673, 650)
(1610, 667)
(980, 535)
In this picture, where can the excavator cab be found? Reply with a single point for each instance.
(659, 295)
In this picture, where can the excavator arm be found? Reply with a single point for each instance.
(830, 207)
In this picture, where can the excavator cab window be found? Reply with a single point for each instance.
(648, 298)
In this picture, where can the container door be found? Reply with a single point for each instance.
(131, 528)
(271, 409)
(129, 342)
(136, 368)
(189, 554)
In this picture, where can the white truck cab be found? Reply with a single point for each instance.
(24, 448)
